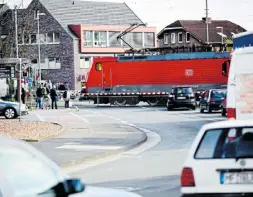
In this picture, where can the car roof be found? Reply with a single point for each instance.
(228, 124)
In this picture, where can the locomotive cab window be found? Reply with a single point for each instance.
(98, 66)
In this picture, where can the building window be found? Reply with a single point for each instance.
(20, 39)
(56, 37)
(26, 39)
(149, 39)
(180, 37)
(85, 62)
(113, 42)
(100, 39)
(88, 38)
(137, 41)
(166, 38)
(54, 63)
(173, 38)
(50, 37)
(43, 38)
(188, 37)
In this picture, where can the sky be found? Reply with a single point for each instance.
(160, 13)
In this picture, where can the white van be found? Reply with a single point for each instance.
(240, 78)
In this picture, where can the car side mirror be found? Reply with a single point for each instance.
(67, 187)
(74, 186)
(224, 69)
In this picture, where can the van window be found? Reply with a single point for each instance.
(225, 143)
(183, 91)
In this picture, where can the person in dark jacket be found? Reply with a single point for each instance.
(53, 95)
(23, 95)
(39, 96)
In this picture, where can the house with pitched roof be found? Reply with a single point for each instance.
(73, 32)
(193, 33)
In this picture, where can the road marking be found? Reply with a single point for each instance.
(88, 147)
(40, 118)
(152, 140)
(80, 117)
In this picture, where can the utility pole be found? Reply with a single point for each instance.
(17, 55)
(16, 31)
(207, 28)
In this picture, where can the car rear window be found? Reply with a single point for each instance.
(218, 94)
(183, 91)
(226, 143)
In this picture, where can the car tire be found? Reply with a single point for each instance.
(223, 112)
(193, 107)
(10, 113)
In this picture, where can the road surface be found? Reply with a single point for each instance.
(153, 172)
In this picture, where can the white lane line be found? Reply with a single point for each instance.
(80, 117)
(42, 119)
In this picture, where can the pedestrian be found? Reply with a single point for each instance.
(39, 97)
(53, 95)
(66, 97)
(23, 95)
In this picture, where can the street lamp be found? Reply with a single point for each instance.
(38, 40)
(221, 34)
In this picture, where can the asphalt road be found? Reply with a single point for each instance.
(154, 172)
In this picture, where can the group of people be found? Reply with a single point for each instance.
(47, 97)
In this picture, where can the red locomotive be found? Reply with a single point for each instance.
(149, 78)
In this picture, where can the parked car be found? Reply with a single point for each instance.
(212, 99)
(181, 97)
(10, 110)
(224, 107)
(29, 173)
(220, 160)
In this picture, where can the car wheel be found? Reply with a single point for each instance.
(223, 112)
(193, 107)
(10, 113)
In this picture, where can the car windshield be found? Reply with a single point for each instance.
(218, 94)
(183, 91)
(226, 143)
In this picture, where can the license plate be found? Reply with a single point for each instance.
(181, 97)
(236, 178)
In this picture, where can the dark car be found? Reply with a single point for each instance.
(181, 97)
(212, 100)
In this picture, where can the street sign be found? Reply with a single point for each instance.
(7, 72)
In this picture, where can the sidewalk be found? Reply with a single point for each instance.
(87, 142)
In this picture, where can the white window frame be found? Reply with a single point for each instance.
(173, 35)
(178, 36)
(100, 45)
(57, 65)
(187, 33)
(84, 66)
(46, 37)
(166, 38)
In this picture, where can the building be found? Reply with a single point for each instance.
(192, 33)
(72, 33)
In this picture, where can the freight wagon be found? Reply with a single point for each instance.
(149, 78)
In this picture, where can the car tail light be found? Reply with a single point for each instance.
(187, 178)
(231, 113)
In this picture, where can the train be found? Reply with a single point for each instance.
(128, 80)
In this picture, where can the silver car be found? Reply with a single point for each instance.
(26, 172)
(10, 110)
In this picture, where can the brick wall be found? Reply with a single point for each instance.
(64, 50)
